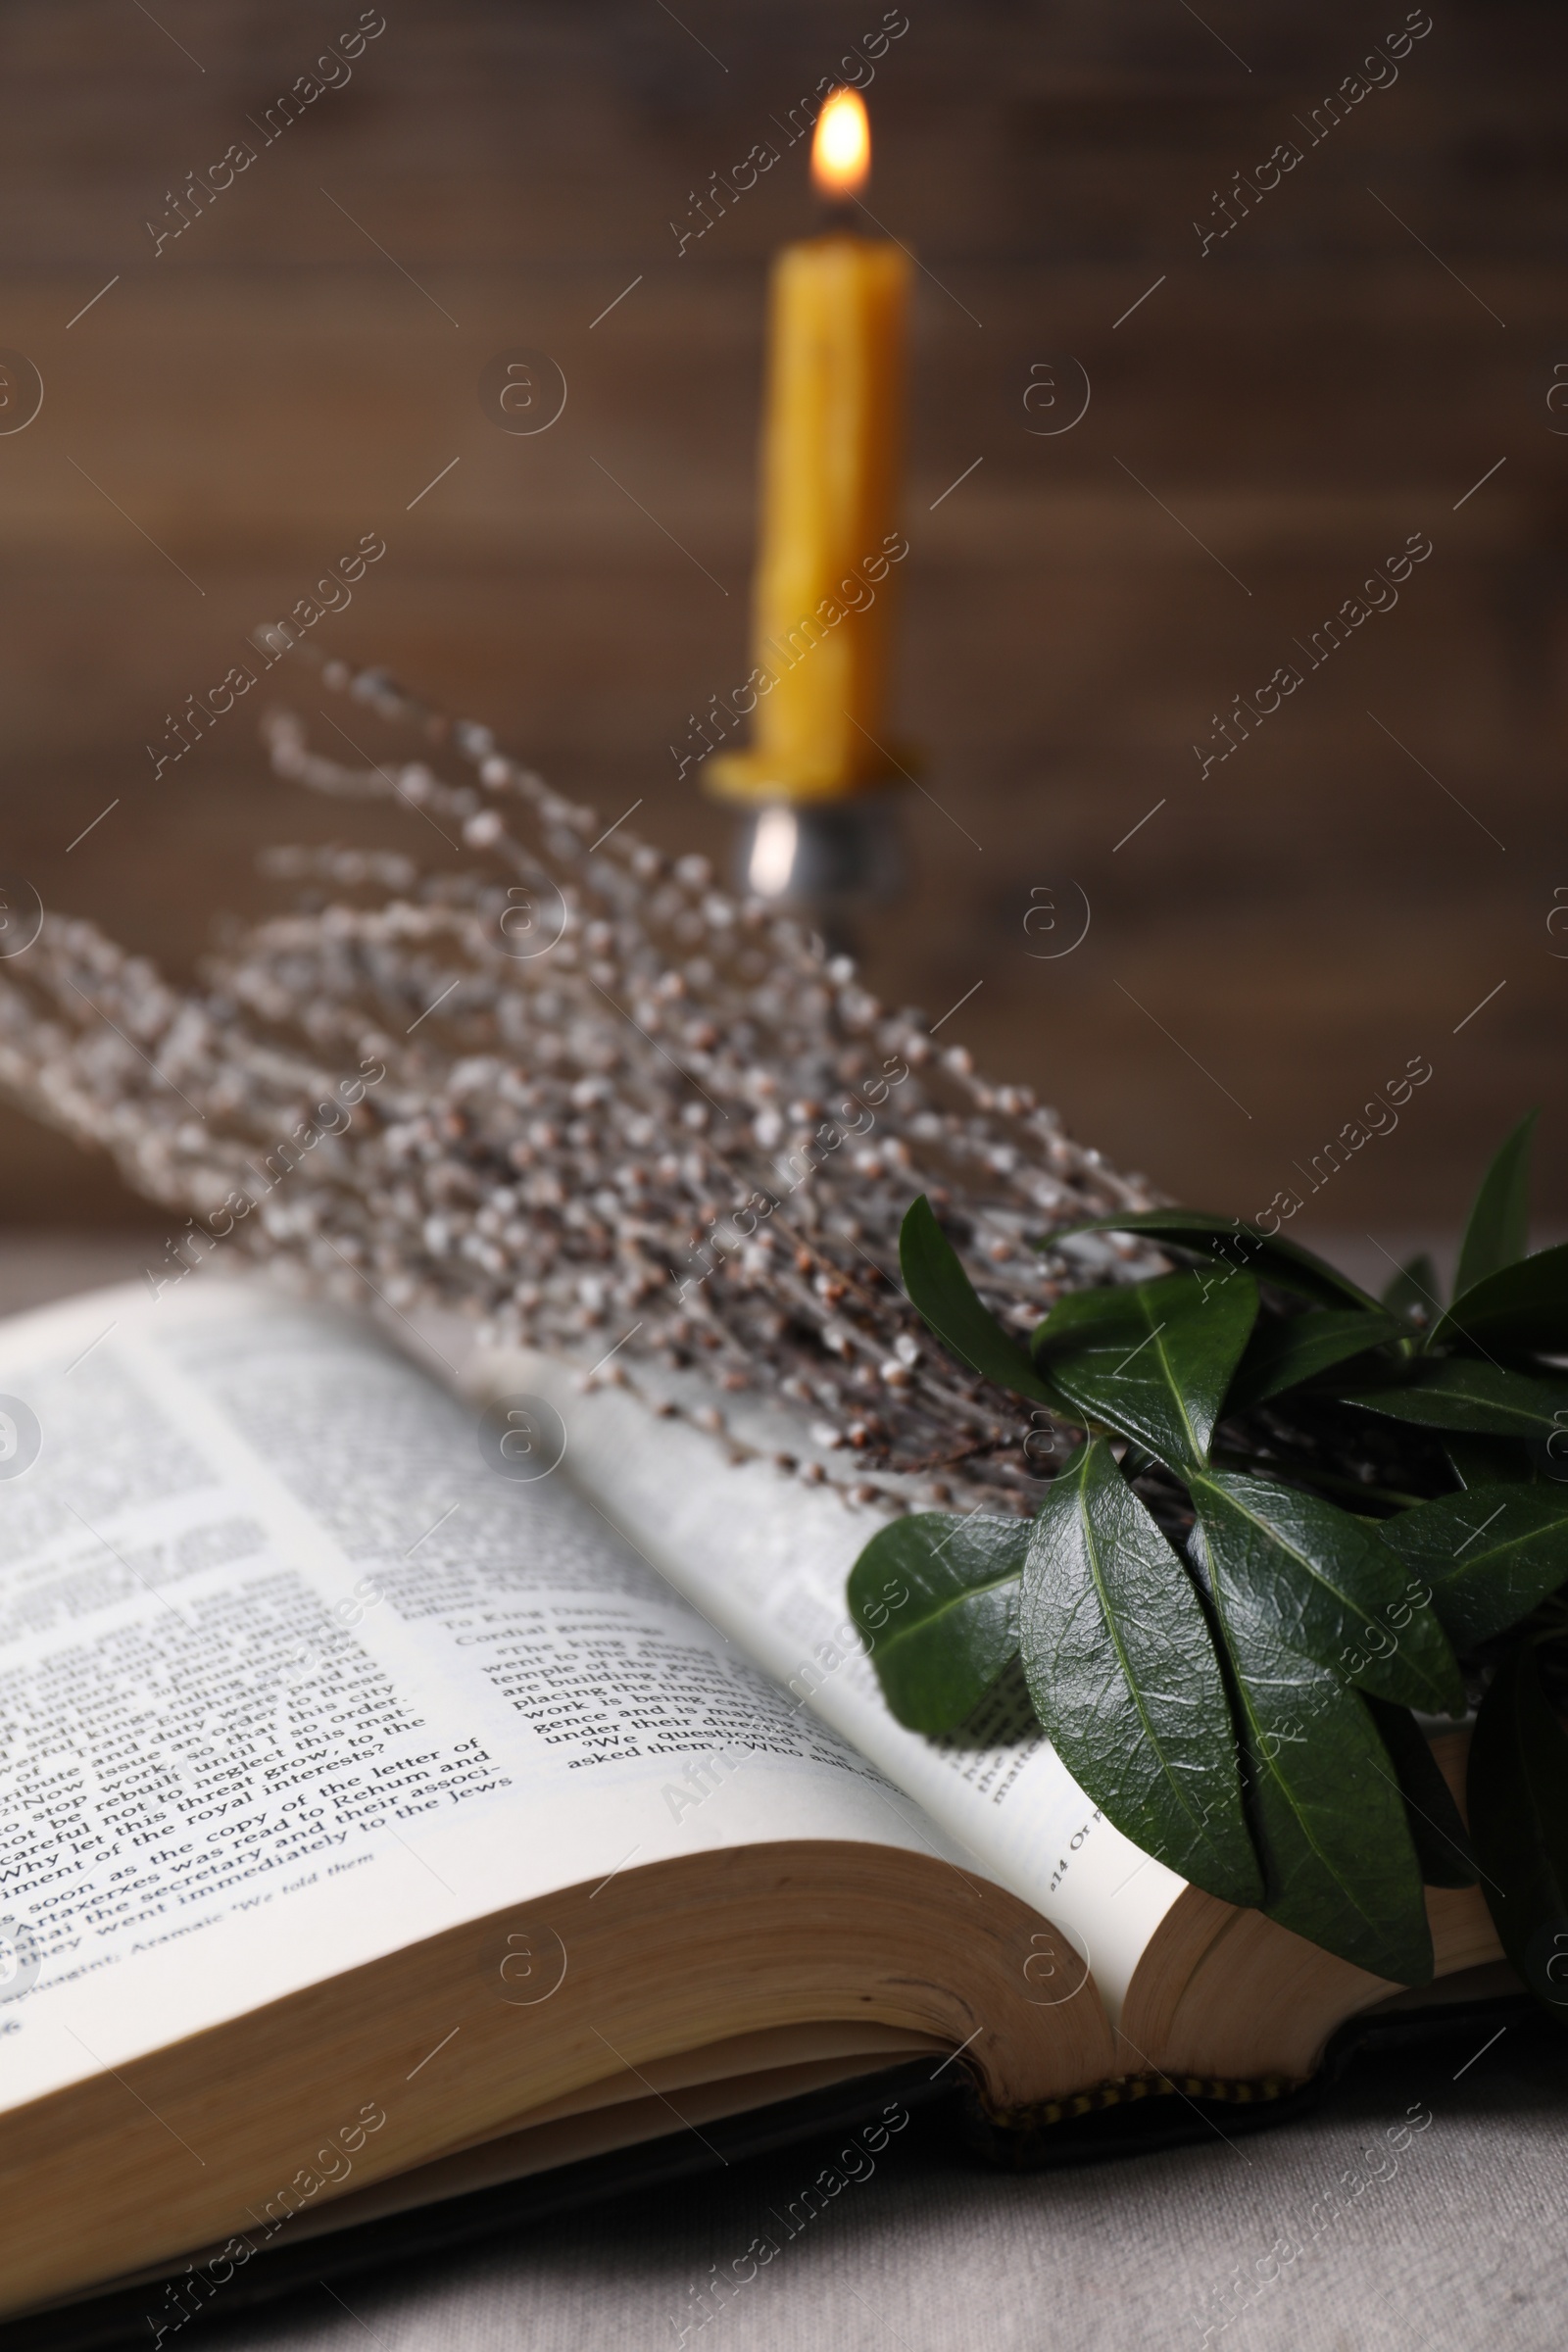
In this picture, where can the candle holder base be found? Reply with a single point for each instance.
(831, 862)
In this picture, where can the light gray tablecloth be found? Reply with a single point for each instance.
(1343, 2242)
(1460, 2243)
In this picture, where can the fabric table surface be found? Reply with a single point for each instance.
(1334, 2234)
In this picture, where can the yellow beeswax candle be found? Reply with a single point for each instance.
(830, 546)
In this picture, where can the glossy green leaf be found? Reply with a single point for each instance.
(1518, 1796)
(1490, 1462)
(1329, 1818)
(1286, 1349)
(1523, 1307)
(936, 1599)
(1498, 1228)
(1488, 1555)
(1161, 1377)
(1460, 1392)
(1269, 1257)
(1415, 1290)
(1324, 1584)
(1122, 1671)
(1435, 1822)
(1090, 1319)
(943, 1294)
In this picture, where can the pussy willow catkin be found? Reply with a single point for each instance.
(582, 1093)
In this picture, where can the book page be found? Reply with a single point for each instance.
(295, 1671)
(768, 1559)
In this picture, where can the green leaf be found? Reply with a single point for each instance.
(1435, 1824)
(1121, 1667)
(1499, 1230)
(1457, 1393)
(1523, 1306)
(1270, 1257)
(1162, 1375)
(1415, 1290)
(1490, 1462)
(1286, 1349)
(1518, 1794)
(1488, 1555)
(943, 1294)
(1090, 1319)
(1329, 1816)
(937, 1598)
(1324, 1584)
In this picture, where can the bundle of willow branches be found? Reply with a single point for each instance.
(521, 1063)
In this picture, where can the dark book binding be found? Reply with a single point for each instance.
(1136, 2116)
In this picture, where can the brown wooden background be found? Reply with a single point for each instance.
(271, 385)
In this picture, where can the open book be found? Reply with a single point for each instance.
(393, 1808)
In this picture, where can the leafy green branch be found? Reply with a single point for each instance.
(1297, 1520)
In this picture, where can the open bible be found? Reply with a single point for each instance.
(397, 1803)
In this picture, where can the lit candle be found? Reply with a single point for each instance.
(830, 545)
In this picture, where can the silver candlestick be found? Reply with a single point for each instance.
(829, 862)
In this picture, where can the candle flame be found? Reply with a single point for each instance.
(841, 148)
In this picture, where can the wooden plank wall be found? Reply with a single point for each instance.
(1275, 419)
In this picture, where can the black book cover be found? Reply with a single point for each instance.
(941, 2105)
